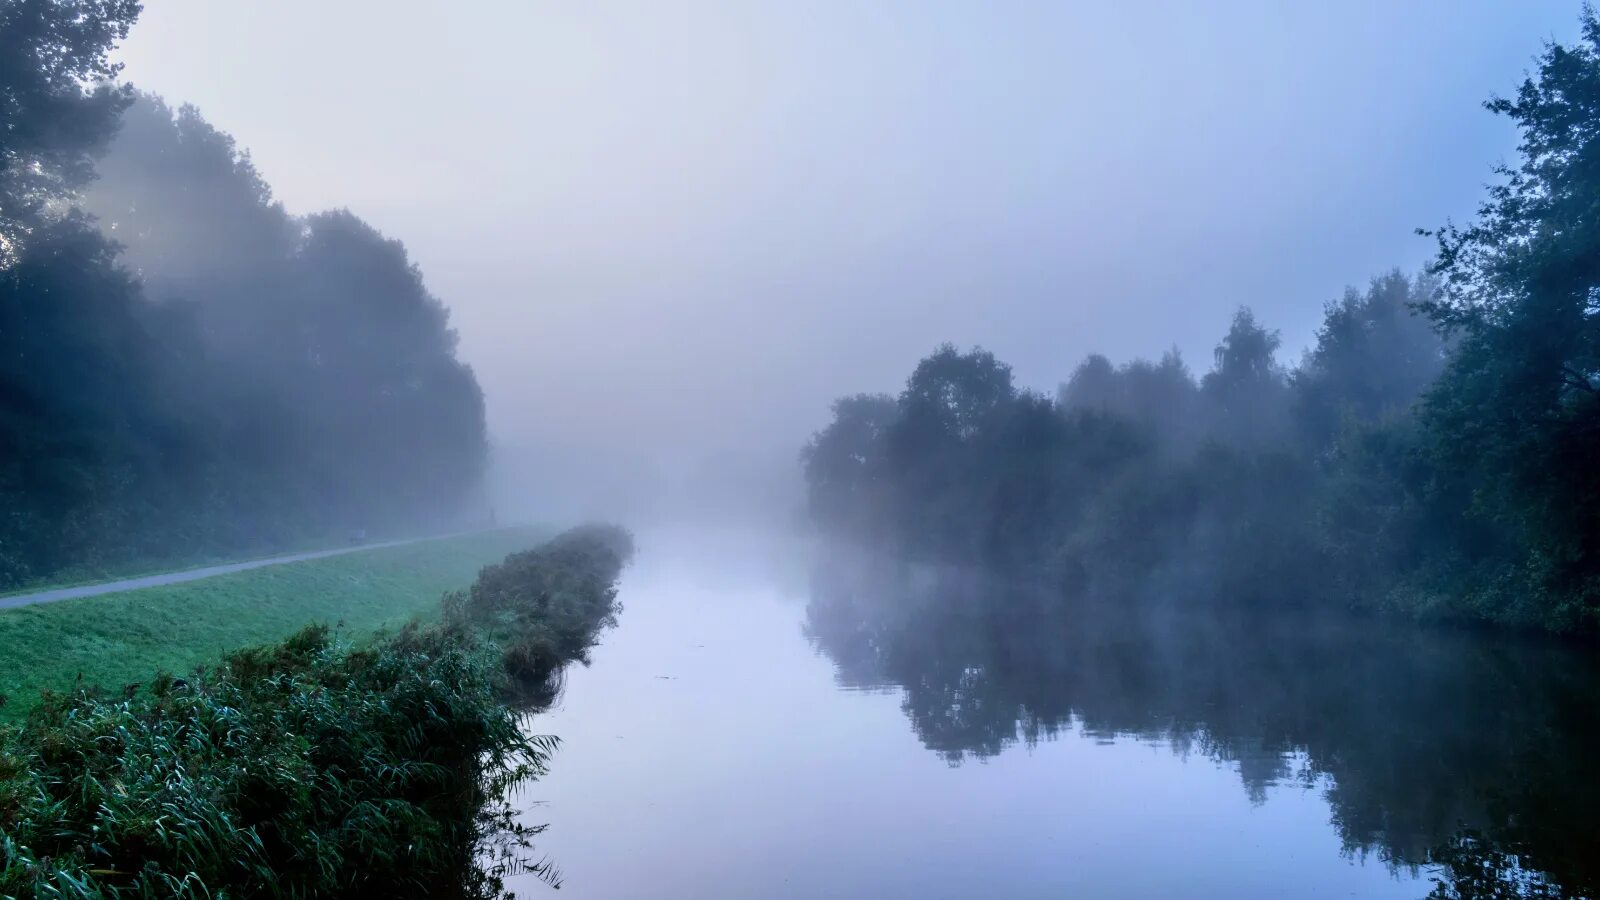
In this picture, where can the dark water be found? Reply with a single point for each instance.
(770, 728)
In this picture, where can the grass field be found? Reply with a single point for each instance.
(124, 569)
(116, 639)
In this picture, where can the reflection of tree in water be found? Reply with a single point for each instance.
(1452, 751)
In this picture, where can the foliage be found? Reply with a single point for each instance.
(88, 444)
(1132, 479)
(546, 607)
(1245, 390)
(341, 399)
(1439, 464)
(1373, 359)
(69, 318)
(1256, 484)
(186, 371)
(1161, 398)
(59, 104)
(843, 467)
(1515, 419)
(119, 638)
(303, 768)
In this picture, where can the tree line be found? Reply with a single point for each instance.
(186, 369)
(1432, 454)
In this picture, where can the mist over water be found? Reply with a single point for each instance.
(792, 727)
(1060, 466)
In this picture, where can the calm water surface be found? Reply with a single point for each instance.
(763, 726)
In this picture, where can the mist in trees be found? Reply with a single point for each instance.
(1246, 484)
(1432, 452)
(332, 340)
(185, 368)
(190, 369)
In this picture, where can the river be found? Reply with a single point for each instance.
(762, 724)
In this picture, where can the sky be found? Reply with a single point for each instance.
(671, 232)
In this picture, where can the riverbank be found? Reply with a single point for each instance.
(320, 767)
(90, 574)
(117, 639)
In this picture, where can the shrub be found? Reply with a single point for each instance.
(311, 767)
(546, 607)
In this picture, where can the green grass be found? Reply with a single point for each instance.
(115, 639)
(312, 766)
(139, 567)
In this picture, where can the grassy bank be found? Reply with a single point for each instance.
(127, 569)
(118, 639)
(310, 767)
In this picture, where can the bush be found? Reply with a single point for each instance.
(310, 767)
(546, 607)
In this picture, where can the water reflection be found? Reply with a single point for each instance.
(1456, 755)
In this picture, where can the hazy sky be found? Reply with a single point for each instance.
(690, 225)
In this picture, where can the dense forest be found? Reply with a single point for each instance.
(1432, 454)
(186, 369)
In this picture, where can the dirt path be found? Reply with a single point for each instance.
(145, 581)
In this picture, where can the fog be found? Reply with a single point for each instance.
(1143, 403)
(669, 235)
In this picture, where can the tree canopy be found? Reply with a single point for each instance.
(57, 101)
(1256, 484)
(1432, 453)
(1515, 419)
(186, 369)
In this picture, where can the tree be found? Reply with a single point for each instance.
(935, 448)
(86, 434)
(395, 419)
(952, 395)
(91, 442)
(1094, 385)
(1158, 396)
(252, 379)
(337, 396)
(194, 216)
(1246, 388)
(1374, 357)
(843, 462)
(1516, 415)
(57, 105)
